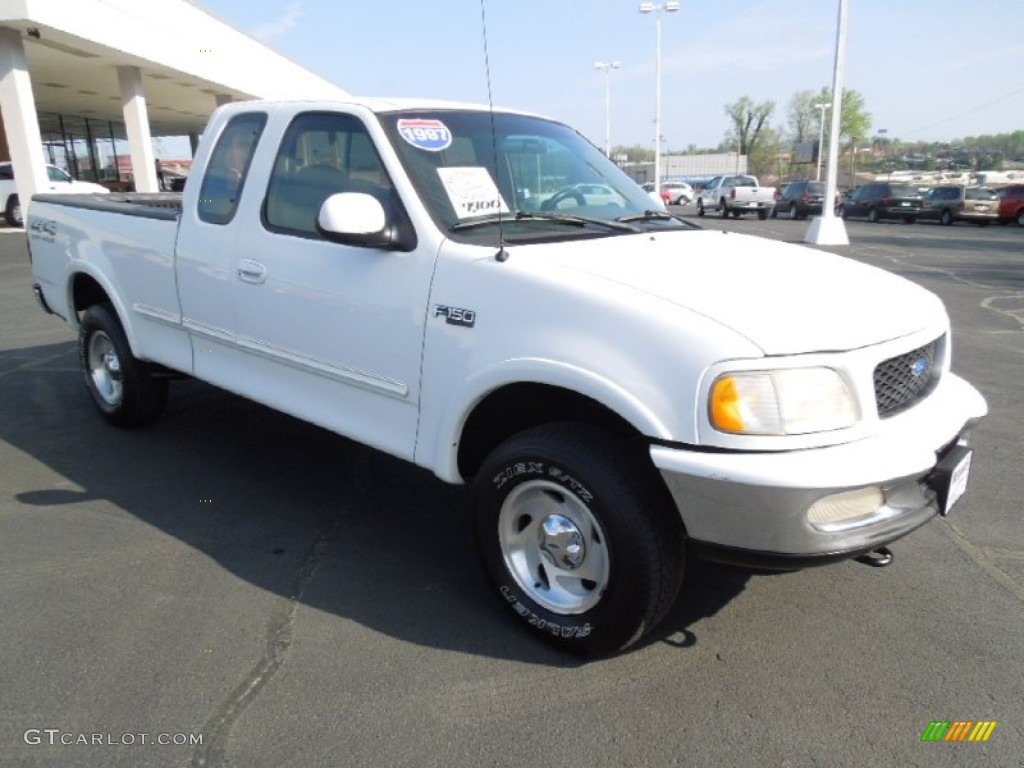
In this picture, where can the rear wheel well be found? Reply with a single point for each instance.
(517, 407)
(85, 292)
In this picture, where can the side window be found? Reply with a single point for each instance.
(321, 154)
(229, 164)
(56, 174)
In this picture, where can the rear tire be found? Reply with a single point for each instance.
(1020, 218)
(12, 212)
(946, 219)
(762, 215)
(122, 387)
(578, 536)
(873, 215)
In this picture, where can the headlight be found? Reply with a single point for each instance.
(791, 401)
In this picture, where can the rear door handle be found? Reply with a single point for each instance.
(250, 271)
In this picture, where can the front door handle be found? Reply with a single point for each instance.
(250, 271)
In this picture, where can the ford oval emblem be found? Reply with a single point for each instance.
(920, 367)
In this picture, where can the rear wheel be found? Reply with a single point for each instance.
(946, 218)
(12, 212)
(873, 215)
(578, 538)
(762, 215)
(841, 211)
(1020, 218)
(122, 387)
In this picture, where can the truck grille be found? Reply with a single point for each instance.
(903, 380)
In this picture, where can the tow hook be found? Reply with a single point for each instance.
(877, 558)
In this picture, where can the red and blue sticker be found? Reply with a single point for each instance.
(431, 135)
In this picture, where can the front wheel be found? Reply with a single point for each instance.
(12, 212)
(700, 207)
(578, 537)
(122, 387)
(723, 209)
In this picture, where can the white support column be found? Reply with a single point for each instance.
(20, 119)
(136, 122)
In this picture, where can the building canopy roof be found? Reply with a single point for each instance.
(190, 61)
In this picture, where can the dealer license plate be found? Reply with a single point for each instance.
(949, 479)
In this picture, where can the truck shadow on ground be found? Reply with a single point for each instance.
(267, 497)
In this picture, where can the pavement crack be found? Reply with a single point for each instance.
(280, 633)
(979, 556)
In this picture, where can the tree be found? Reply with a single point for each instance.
(802, 117)
(748, 121)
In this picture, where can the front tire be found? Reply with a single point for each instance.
(578, 537)
(700, 207)
(723, 209)
(122, 387)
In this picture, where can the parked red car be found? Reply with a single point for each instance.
(1011, 204)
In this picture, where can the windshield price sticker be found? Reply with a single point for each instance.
(431, 135)
(472, 192)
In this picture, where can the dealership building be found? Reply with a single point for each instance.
(85, 83)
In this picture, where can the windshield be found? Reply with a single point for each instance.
(536, 179)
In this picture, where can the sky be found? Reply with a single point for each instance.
(929, 70)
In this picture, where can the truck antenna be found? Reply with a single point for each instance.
(502, 254)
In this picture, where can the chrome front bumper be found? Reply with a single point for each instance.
(756, 508)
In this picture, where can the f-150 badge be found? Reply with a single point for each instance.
(456, 315)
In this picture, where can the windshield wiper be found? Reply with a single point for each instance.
(560, 218)
(648, 215)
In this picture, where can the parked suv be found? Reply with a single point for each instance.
(1011, 204)
(800, 199)
(883, 200)
(949, 203)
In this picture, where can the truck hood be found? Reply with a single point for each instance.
(786, 299)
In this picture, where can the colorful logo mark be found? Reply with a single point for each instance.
(958, 730)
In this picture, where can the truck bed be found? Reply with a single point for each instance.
(153, 205)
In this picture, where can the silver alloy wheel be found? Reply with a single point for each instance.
(554, 547)
(105, 369)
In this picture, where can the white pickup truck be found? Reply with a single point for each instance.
(58, 181)
(734, 195)
(617, 386)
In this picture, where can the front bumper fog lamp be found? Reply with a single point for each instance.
(843, 510)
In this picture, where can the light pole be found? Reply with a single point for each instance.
(607, 66)
(821, 134)
(656, 8)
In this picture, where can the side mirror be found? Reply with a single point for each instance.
(360, 219)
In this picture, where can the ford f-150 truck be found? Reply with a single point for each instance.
(736, 194)
(617, 386)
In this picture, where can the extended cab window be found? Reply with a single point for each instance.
(321, 154)
(229, 164)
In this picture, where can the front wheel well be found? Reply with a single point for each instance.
(517, 407)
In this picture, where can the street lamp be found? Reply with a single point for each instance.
(656, 8)
(607, 66)
(821, 134)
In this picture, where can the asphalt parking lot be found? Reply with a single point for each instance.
(289, 598)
